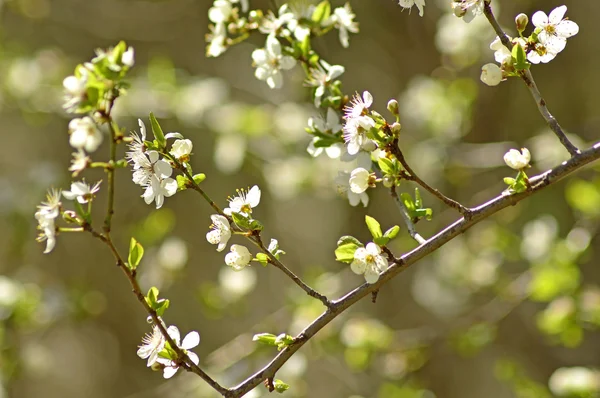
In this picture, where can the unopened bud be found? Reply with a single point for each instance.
(396, 127)
(521, 21)
(392, 106)
(388, 181)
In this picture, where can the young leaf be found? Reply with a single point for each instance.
(198, 178)
(349, 239)
(241, 220)
(520, 57)
(265, 338)
(418, 200)
(152, 296)
(321, 12)
(382, 240)
(386, 166)
(157, 131)
(136, 252)
(374, 227)
(280, 386)
(392, 232)
(262, 258)
(408, 203)
(345, 252)
(161, 306)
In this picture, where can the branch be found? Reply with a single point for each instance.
(131, 276)
(256, 240)
(527, 77)
(414, 177)
(404, 212)
(278, 264)
(477, 215)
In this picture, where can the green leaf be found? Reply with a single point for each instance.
(280, 386)
(345, 252)
(418, 200)
(198, 178)
(509, 181)
(321, 12)
(136, 252)
(382, 240)
(157, 131)
(386, 166)
(427, 213)
(518, 53)
(349, 239)
(240, 220)
(283, 340)
(408, 203)
(161, 306)
(392, 232)
(182, 182)
(256, 225)
(152, 296)
(374, 227)
(265, 338)
(262, 258)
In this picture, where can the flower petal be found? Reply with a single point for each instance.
(191, 340)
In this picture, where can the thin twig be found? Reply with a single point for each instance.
(478, 214)
(404, 212)
(412, 176)
(527, 77)
(256, 240)
(110, 168)
(278, 264)
(131, 276)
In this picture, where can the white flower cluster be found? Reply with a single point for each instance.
(150, 171)
(239, 256)
(409, 3)
(153, 344)
(549, 38)
(553, 32)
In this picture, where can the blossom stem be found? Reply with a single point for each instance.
(404, 212)
(412, 176)
(137, 291)
(278, 264)
(109, 168)
(527, 78)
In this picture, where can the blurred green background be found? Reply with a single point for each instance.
(494, 313)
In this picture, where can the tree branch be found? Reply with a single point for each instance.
(527, 77)
(414, 177)
(404, 212)
(477, 215)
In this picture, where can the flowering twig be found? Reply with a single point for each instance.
(527, 77)
(404, 212)
(131, 276)
(414, 177)
(278, 264)
(256, 240)
(477, 215)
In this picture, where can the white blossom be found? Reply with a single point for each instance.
(409, 3)
(343, 187)
(85, 134)
(491, 74)
(75, 89)
(321, 77)
(517, 160)
(369, 261)
(158, 189)
(181, 149)
(220, 233)
(359, 106)
(502, 55)
(355, 134)
(191, 340)
(554, 29)
(269, 61)
(359, 180)
(79, 162)
(47, 212)
(238, 257)
(152, 344)
(217, 44)
(343, 20)
(467, 9)
(540, 53)
(244, 202)
(128, 57)
(81, 191)
(220, 12)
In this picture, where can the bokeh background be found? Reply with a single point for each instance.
(494, 313)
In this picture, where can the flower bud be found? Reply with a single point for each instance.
(517, 160)
(521, 21)
(396, 128)
(392, 106)
(491, 74)
(388, 181)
